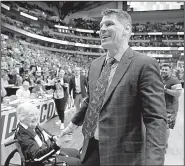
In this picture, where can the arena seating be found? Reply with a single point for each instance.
(86, 41)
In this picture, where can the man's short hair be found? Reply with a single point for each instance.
(166, 65)
(122, 15)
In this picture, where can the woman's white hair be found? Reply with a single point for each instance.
(24, 110)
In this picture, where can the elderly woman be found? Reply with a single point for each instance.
(37, 143)
(23, 91)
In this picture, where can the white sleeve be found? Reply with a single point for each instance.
(18, 93)
(176, 87)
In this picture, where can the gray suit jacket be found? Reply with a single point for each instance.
(132, 120)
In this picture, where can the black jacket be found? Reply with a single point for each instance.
(83, 85)
(30, 147)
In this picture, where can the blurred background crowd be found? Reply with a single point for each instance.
(30, 57)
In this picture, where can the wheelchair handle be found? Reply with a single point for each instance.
(10, 143)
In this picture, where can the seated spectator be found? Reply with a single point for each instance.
(26, 78)
(4, 78)
(19, 80)
(3, 92)
(39, 88)
(38, 75)
(21, 69)
(32, 70)
(32, 80)
(50, 80)
(12, 76)
(36, 142)
(23, 91)
(43, 79)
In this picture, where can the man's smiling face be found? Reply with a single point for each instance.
(111, 31)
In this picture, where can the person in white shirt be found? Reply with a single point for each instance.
(4, 77)
(23, 91)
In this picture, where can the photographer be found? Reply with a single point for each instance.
(59, 95)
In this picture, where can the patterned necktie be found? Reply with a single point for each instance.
(96, 100)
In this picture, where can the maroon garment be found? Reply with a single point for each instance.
(172, 102)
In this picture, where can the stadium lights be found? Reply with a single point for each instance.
(59, 26)
(84, 30)
(28, 16)
(180, 33)
(5, 6)
(181, 48)
(158, 48)
(81, 45)
(87, 45)
(159, 55)
(154, 33)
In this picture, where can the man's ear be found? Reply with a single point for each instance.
(128, 28)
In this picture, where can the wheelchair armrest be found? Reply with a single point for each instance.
(20, 151)
(45, 156)
(10, 143)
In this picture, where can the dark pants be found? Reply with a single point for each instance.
(92, 157)
(73, 159)
(60, 106)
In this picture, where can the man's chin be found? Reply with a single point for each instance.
(105, 45)
(165, 76)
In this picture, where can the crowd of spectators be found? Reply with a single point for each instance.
(159, 27)
(32, 9)
(78, 37)
(71, 35)
(20, 62)
(87, 24)
(45, 14)
(45, 63)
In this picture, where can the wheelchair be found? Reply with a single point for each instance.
(49, 161)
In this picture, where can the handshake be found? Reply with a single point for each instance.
(66, 134)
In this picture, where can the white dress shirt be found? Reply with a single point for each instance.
(77, 84)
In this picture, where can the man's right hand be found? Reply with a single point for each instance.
(69, 129)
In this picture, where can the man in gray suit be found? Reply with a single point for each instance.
(124, 116)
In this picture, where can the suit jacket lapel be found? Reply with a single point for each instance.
(96, 71)
(29, 131)
(120, 71)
